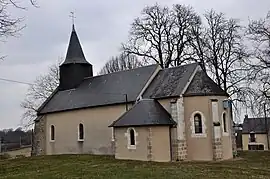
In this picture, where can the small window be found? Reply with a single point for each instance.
(256, 147)
(132, 136)
(198, 123)
(224, 122)
(81, 132)
(252, 137)
(52, 133)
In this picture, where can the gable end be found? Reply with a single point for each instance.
(203, 85)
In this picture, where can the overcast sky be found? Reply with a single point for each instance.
(101, 26)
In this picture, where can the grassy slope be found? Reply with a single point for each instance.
(254, 165)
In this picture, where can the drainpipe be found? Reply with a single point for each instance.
(126, 96)
(170, 135)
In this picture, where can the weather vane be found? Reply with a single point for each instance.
(72, 17)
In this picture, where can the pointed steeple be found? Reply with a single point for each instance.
(75, 67)
(75, 53)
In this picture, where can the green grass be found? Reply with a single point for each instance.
(252, 165)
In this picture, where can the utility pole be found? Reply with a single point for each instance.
(266, 126)
(233, 138)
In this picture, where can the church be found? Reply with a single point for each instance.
(147, 113)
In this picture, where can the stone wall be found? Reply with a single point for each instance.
(113, 146)
(179, 144)
(217, 141)
(39, 137)
(149, 145)
(217, 149)
(174, 141)
(182, 150)
(174, 144)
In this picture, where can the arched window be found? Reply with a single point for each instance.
(224, 122)
(132, 136)
(198, 123)
(52, 132)
(252, 137)
(81, 131)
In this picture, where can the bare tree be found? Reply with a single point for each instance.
(10, 26)
(162, 34)
(14, 3)
(171, 37)
(220, 48)
(121, 62)
(37, 93)
(258, 32)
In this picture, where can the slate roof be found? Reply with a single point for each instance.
(170, 82)
(256, 125)
(203, 85)
(74, 53)
(101, 90)
(147, 112)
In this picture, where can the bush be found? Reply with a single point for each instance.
(4, 156)
(235, 154)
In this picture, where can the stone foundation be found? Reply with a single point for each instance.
(113, 146)
(39, 137)
(149, 145)
(179, 144)
(179, 150)
(234, 146)
(174, 150)
(182, 150)
(217, 149)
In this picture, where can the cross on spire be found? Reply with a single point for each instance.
(72, 17)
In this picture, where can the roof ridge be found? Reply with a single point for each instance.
(180, 66)
(254, 118)
(120, 71)
(147, 99)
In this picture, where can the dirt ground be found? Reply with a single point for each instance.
(25, 151)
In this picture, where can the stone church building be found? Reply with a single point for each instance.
(147, 113)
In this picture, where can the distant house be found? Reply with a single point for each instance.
(254, 134)
(238, 135)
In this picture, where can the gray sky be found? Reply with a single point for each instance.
(101, 26)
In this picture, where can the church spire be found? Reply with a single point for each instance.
(75, 67)
(74, 53)
(73, 28)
